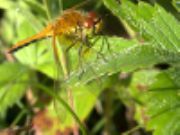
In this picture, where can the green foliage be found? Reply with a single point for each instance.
(160, 110)
(176, 4)
(154, 92)
(84, 100)
(13, 83)
(161, 40)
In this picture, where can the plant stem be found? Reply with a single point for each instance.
(61, 6)
(45, 2)
(65, 105)
(132, 130)
(21, 114)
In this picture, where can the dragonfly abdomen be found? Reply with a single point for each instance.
(47, 32)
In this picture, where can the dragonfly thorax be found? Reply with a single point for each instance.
(74, 22)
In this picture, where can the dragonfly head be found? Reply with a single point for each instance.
(93, 21)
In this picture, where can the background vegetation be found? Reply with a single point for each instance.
(133, 87)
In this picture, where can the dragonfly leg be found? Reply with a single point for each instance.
(105, 41)
(89, 45)
(80, 57)
(73, 44)
(100, 51)
(81, 50)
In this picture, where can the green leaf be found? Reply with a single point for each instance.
(38, 55)
(83, 98)
(7, 4)
(152, 24)
(174, 74)
(176, 4)
(162, 42)
(36, 7)
(26, 25)
(160, 106)
(157, 92)
(127, 55)
(13, 83)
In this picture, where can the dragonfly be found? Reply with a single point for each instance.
(72, 25)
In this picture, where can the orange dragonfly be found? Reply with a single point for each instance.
(72, 24)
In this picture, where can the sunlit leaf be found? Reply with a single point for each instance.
(152, 24)
(13, 84)
(126, 55)
(159, 96)
(82, 100)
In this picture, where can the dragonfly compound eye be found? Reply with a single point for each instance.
(92, 20)
(88, 23)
